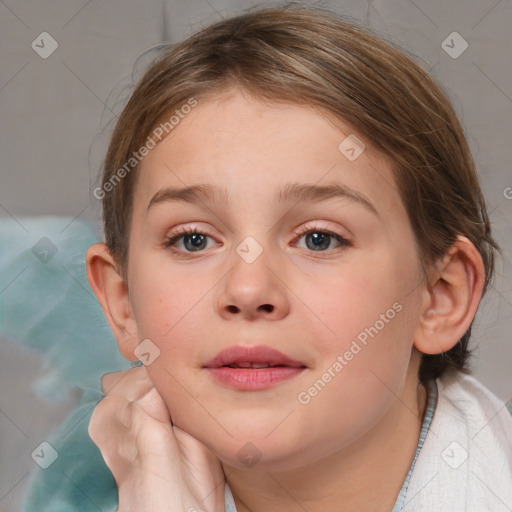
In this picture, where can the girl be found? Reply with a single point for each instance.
(296, 247)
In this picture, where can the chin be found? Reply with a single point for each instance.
(256, 449)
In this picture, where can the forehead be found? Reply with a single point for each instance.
(249, 148)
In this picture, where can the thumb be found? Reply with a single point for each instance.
(194, 451)
(154, 406)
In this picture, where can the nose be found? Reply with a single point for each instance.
(253, 291)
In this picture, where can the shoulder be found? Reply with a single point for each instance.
(463, 398)
(466, 460)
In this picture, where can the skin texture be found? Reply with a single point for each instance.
(359, 433)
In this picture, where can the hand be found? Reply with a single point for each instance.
(157, 466)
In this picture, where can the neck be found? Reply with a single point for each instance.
(367, 475)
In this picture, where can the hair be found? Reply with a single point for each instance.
(308, 57)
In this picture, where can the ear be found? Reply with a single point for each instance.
(112, 293)
(453, 293)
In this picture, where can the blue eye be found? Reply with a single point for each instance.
(190, 241)
(318, 240)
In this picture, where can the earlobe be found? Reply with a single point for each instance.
(112, 293)
(452, 297)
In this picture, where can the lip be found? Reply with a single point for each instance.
(230, 367)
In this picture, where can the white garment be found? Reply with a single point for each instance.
(229, 501)
(465, 463)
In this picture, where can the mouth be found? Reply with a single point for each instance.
(257, 357)
(253, 365)
(252, 368)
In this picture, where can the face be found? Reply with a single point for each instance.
(253, 230)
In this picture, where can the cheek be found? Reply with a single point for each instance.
(171, 306)
(348, 303)
(162, 299)
(172, 321)
(367, 319)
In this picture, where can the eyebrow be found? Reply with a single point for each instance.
(314, 193)
(192, 194)
(290, 192)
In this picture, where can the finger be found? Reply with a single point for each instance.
(110, 429)
(111, 380)
(119, 451)
(192, 448)
(146, 420)
(130, 384)
(110, 413)
(154, 406)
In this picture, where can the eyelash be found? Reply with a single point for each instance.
(190, 230)
(344, 242)
(181, 232)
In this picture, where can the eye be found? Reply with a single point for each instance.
(320, 240)
(190, 240)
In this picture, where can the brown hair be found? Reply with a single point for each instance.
(305, 56)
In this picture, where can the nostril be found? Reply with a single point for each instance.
(269, 308)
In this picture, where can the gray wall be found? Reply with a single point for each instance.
(55, 112)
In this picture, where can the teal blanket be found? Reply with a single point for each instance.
(46, 304)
